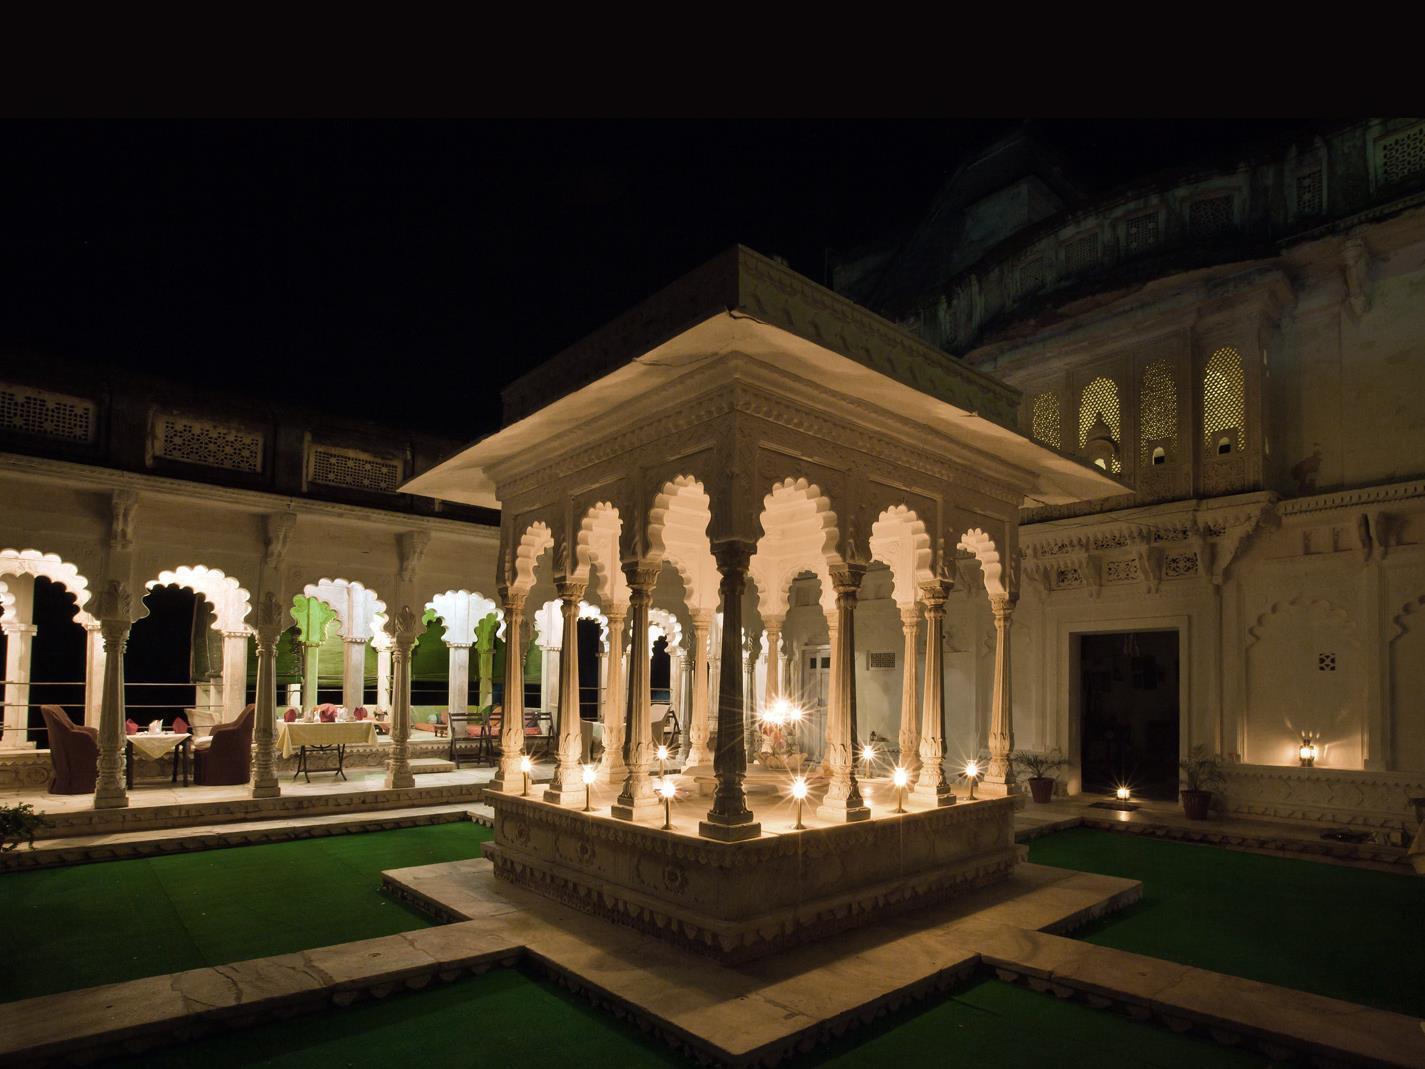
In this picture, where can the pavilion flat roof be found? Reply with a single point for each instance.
(743, 304)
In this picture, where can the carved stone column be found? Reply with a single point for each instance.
(772, 685)
(729, 819)
(93, 673)
(832, 758)
(457, 678)
(697, 753)
(567, 787)
(612, 769)
(637, 798)
(234, 674)
(309, 675)
(268, 627)
(999, 777)
(486, 668)
(909, 737)
(509, 778)
(383, 674)
(115, 611)
(406, 627)
(751, 653)
(932, 787)
(843, 794)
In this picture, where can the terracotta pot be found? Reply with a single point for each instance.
(1041, 788)
(1195, 804)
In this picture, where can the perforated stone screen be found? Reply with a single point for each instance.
(881, 659)
(47, 414)
(213, 445)
(1223, 403)
(1100, 398)
(1403, 155)
(1157, 406)
(1046, 419)
(1081, 253)
(1141, 232)
(1031, 275)
(1210, 217)
(1308, 193)
(353, 469)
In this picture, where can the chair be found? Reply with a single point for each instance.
(469, 740)
(225, 757)
(73, 753)
(672, 731)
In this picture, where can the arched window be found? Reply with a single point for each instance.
(1158, 413)
(1099, 424)
(1223, 406)
(1046, 419)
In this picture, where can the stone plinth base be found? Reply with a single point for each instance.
(740, 900)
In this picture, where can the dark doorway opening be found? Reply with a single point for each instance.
(1128, 701)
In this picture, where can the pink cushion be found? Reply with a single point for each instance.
(131, 726)
(328, 716)
(290, 715)
(180, 726)
(360, 712)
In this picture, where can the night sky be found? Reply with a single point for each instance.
(408, 270)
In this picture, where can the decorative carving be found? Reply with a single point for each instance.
(114, 602)
(412, 548)
(278, 531)
(270, 620)
(123, 504)
(406, 627)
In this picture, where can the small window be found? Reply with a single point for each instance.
(1045, 426)
(1224, 446)
(1101, 463)
(1160, 455)
(1326, 662)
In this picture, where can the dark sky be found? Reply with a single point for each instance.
(408, 270)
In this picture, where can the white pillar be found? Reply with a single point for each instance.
(353, 672)
(383, 677)
(612, 769)
(637, 799)
(843, 794)
(487, 684)
(567, 787)
(268, 628)
(751, 651)
(999, 777)
(115, 610)
(772, 684)
(19, 642)
(310, 651)
(730, 819)
(93, 673)
(832, 757)
(406, 628)
(510, 777)
(548, 676)
(457, 679)
(932, 786)
(696, 754)
(234, 674)
(909, 737)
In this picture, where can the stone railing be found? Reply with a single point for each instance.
(1367, 801)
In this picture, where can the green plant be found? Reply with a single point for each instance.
(1202, 769)
(1038, 765)
(18, 824)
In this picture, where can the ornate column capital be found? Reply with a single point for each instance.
(733, 555)
(642, 577)
(846, 577)
(269, 621)
(910, 616)
(450, 645)
(1002, 605)
(570, 589)
(406, 627)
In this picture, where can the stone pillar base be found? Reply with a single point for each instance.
(110, 800)
(842, 813)
(641, 809)
(998, 789)
(573, 798)
(729, 833)
(396, 781)
(266, 790)
(937, 796)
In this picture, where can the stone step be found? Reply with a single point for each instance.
(425, 765)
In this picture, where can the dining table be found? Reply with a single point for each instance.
(322, 736)
(154, 745)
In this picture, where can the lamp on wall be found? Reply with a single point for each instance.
(1308, 751)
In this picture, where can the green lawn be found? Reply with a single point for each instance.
(118, 920)
(1349, 933)
(508, 1018)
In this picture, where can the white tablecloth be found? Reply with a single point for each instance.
(155, 746)
(297, 734)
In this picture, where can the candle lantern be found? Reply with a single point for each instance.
(799, 792)
(901, 778)
(588, 787)
(525, 767)
(667, 789)
(971, 773)
(1308, 751)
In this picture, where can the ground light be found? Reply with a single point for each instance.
(972, 773)
(1308, 751)
(662, 761)
(667, 789)
(799, 792)
(588, 786)
(525, 767)
(1123, 794)
(900, 778)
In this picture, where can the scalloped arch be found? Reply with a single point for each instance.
(678, 533)
(899, 539)
(360, 613)
(49, 566)
(460, 612)
(536, 539)
(230, 601)
(666, 625)
(598, 551)
(799, 534)
(1299, 606)
(976, 541)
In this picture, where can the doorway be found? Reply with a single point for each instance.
(1128, 703)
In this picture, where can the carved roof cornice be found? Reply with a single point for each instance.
(43, 469)
(1351, 499)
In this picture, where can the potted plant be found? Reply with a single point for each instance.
(1039, 766)
(18, 824)
(1202, 771)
